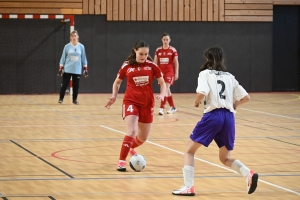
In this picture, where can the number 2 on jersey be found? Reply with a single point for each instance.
(130, 109)
(222, 89)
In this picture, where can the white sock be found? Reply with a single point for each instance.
(240, 168)
(188, 175)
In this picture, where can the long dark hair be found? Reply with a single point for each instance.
(132, 57)
(214, 60)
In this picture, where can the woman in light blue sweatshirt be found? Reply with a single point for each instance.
(72, 60)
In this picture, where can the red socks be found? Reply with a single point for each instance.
(127, 142)
(136, 142)
(163, 103)
(170, 101)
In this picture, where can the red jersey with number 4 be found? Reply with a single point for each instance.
(165, 58)
(139, 82)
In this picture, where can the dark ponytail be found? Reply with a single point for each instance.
(214, 60)
(132, 57)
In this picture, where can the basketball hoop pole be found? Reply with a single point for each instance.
(71, 17)
(71, 86)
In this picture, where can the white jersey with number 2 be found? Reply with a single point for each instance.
(220, 88)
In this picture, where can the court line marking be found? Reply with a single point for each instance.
(129, 176)
(270, 114)
(283, 141)
(45, 161)
(205, 161)
(157, 139)
(26, 196)
(279, 101)
(47, 107)
(79, 125)
(133, 193)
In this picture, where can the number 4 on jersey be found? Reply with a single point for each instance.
(130, 109)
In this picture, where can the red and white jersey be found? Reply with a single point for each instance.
(139, 82)
(165, 58)
(221, 89)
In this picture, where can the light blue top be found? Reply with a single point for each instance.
(73, 58)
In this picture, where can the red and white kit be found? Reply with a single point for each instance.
(165, 58)
(138, 99)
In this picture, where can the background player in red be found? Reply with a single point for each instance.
(138, 102)
(166, 57)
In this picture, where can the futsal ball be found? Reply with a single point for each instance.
(137, 162)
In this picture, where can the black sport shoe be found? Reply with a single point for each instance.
(75, 102)
(251, 180)
(60, 101)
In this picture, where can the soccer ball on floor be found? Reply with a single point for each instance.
(137, 163)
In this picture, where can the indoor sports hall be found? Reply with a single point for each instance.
(52, 150)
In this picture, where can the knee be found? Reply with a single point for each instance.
(131, 133)
(142, 139)
(223, 159)
(190, 151)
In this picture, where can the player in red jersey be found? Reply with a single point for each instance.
(138, 102)
(166, 57)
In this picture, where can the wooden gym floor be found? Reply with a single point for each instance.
(53, 151)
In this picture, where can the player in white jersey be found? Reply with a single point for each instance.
(72, 60)
(218, 86)
(223, 95)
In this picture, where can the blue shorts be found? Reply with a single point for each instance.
(215, 125)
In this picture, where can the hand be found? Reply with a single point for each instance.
(176, 77)
(111, 100)
(60, 72)
(235, 106)
(85, 72)
(160, 97)
(197, 104)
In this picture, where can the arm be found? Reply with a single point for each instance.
(84, 62)
(62, 62)
(176, 66)
(83, 57)
(155, 59)
(245, 99)
(163, 89)
(198, 99)
(115, 90)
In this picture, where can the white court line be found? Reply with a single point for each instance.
(79, 125)
(270, 114)
(205, 161)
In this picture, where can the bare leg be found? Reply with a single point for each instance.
(190, 151)
(142, 135)
(239, 167)
(188, 170)
(224, 156)
(131, 125)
